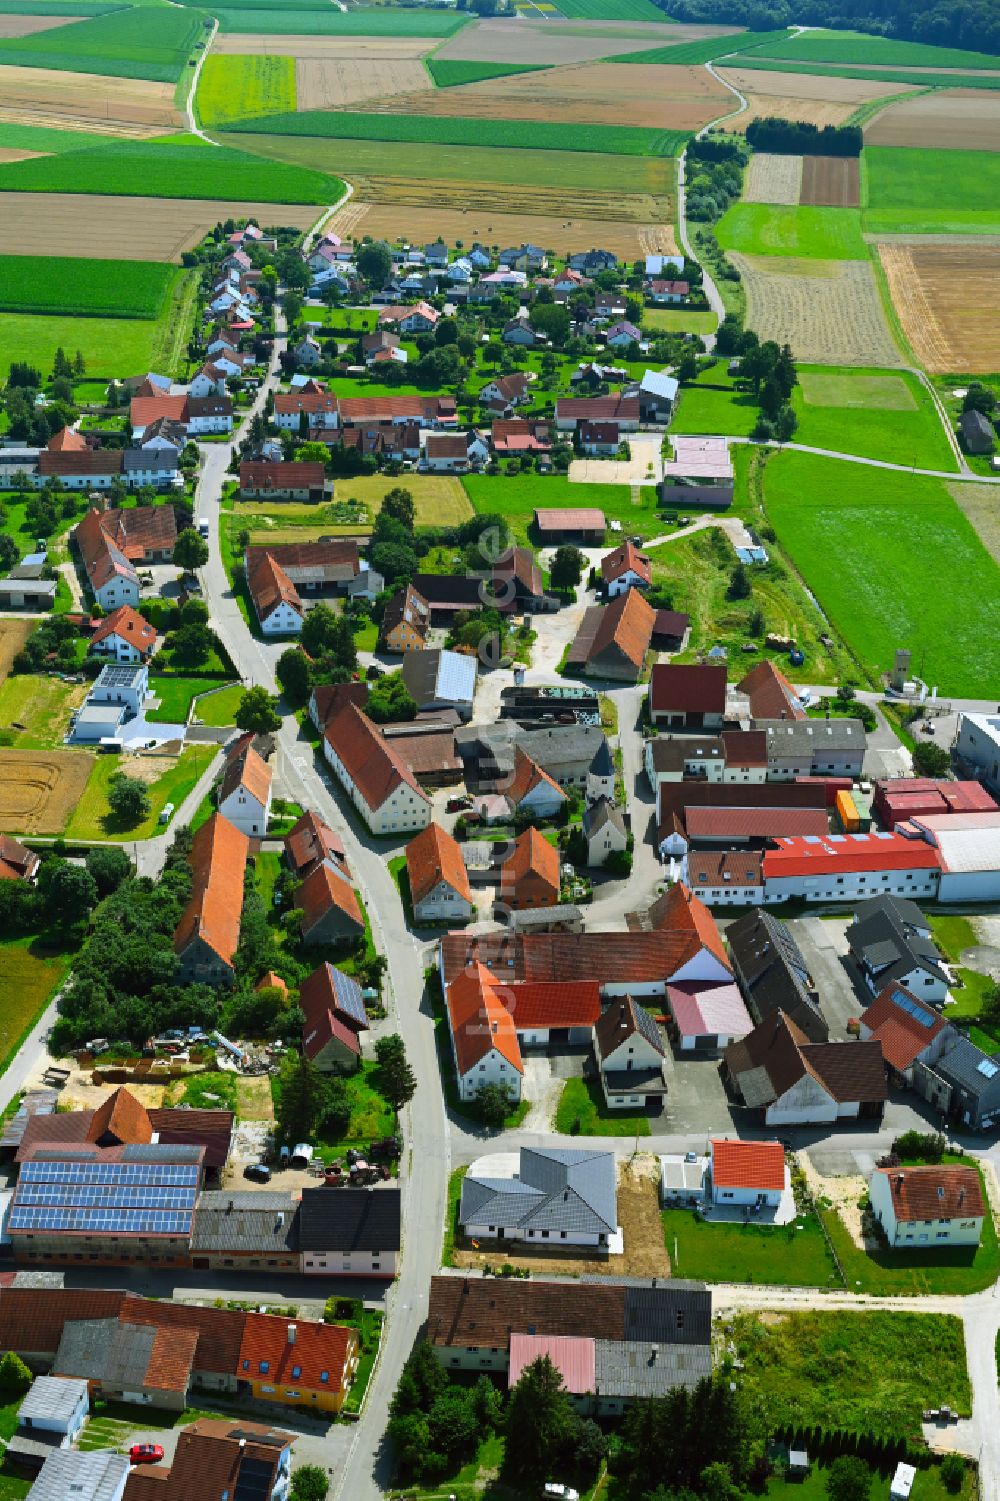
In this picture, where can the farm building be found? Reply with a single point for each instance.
(441, 680)
(845, 867)
(978, 433)
(705, 1019)
(967, 847)
(291, 481)
(581, 524)
(614, 639)
(687, 696)
(792, 1081)
(977, 747)
(209, 930)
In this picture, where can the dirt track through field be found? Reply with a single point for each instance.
(15, 26)
(940, 291)
(126, 106)
(39, 789)
(773, 179)
(953, 120)
(559, 43)
(830, 181)
(830, 312)
(659, 97)
(346, 83)
(131, 229)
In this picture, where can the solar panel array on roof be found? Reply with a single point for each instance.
(151, 1198)
(254, 1480)
(913, 1008)
(162, 1152)
(347, 993)
(988, 1068)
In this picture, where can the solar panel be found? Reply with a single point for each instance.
(912, 1008)
(988, 1068)
(347, 993)
(127, 1197)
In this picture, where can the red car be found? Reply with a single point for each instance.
(145, 1454)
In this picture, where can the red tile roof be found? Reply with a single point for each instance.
(130, 626)
(375, 768)
(533, 859)
(571, 519)
(687, 688)
(539, 1004)
(625, 626)
(479, 1020)
(270, 585)
(218, 863)
(316, 1348)
(943, 1191)
(735, 822)
(67, 440)
(901, 1034)
(171, 1359)
(527, 776)
(748, 1164)
(625, 559)
(323, 889)
(145, 409)
(257, 475)
(80, 461)
(120, 1120)
(770, 693)
(250, 771)
(310, 840)
(433, 856)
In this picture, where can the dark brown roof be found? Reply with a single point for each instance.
(208, 1461)
(848, 1071)
(476, 1311)
(687, 688)
(256, 475)
(942, 1191)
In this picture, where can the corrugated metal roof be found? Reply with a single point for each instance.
(572, 1355)
(94, 1476)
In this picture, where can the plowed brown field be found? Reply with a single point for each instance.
(659, 97)
(791, 96)
(371, 47)
(27, 25)
(87, 101)
(955, 120)
(828, 311)
(830, 181)
(559, 43)
(39, 789)
(139, 229)
(344, 83)
(940, 291)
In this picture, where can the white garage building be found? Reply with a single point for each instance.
(968, 846)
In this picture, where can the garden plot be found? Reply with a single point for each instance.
(344, 82)
(939, 289)
(121, 106)
(140, 229)
(559, 43)
(39, 789)
(773, 179)
(828, 311)
(950, 120)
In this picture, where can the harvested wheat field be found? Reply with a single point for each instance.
(659, 98)
(421, 223)
(560, 43)
(940, 289)
(11, 26)
(39, 789)
(13, 635)
(487, 199)
(831, 181)
(772, 179)
(953, 120)
(799, 96)
(140, 229)
(980, 507)
(346, 82)
(12, 154)
(370, 47)
(124, 106)
(828, 311)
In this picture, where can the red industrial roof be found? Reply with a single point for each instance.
(748, 1164)
(836, 853)
(574, 1357)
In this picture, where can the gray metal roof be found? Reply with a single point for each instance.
(640, 1368)
(53, 1398)
(558, 1189)
(68, 1473)
(107, 1351)
(792, 737)
(246, 1222)
(969, 1067)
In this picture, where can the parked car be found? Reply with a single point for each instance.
(257, 1172)
(145, 1454)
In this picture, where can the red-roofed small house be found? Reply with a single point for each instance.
(329, 907)
(439, 882)
(124, 635)
(748, 1172)
(529, 877)
(483, 1038)
(298, 1362)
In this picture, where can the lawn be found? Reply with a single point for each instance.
(371, 1116)
(794, 1255)
(861, 1372)
(93, 819)
(583, 1100)
(266, 870)
(611, 10)
(324, 20)
(219, 708)
(233, 88)
(179, 171)
(218, 1084)
(534, 135)
(887, 415)
(108, 345)
(88, 288)
(42, 705)
(176, 695)
(712, 404)
(679, 320)
(517, 499)
(893, 562)
(914, 191)
(702, 51)
(30, 970)
(438, 499)
(927, 1486)
(451, 1215)
(145, 42)
(825, 234)
(855, 47)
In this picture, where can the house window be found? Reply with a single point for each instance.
(265, 1366)
(324, 1376)
(296, 1372)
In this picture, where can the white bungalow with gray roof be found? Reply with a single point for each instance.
(552, 1195)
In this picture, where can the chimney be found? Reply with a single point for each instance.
(653, 1353)
(243, 1443)
(900, 1180)
(291, 1334)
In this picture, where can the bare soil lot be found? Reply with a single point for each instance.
(39, 789)
(829, 311)
(371, 47)
(773, 179)
(139, 229)
(11, 26)
(346, 82)
(953, 120)
(421, 222)
(87, 101)
(13, 635)
(560, 43)
(659, 97)
(831, 181)
(940, 289)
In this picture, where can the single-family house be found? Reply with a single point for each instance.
(520, 332)
(454, 453)
(418, 318)
(373, 774)
(276, 601)
(51, 1417)
(330, 910)
(123, 635)
(439, 882)
(157, 467)
(93, 1475)
(517, 435)
(572, 410)
(890, 943)
(931, 1206)
(505, 392)
(245, 793)
(529, 877)
(334, 1018)
(483, 1039)
(752, 1174)
(592, 261)
(773, 973)
(354, 1233)
(209, 381)
(625, 568)
(665, 293)
(208, 933)
(604, 831)
(962, 1082)
(556, 1194)
(630, 1056)
(304, 481)
(517, 581)
(622, 334)
(523, 258)
(598, 439)
(687, 696)
(405, 622)
(17, 862)
(219, 1457)
(771, 695)
(532, 790)
(909, 1030)
(608, 305)
(792, 1081)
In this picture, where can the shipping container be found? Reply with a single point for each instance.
(850, 819)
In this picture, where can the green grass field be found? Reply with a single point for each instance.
(679, 320)
(877, 415)
(92, 818)
(148, 41)
(855, 47)
(220, 708)
(893, 561)
(931, 192)
(531, 135)
(446, 73)
(808, 1366)
(176, 695)
(29, 973)
(712, 404)
(581, 1104)
(42, 705)
(41, 138)
(702, 51)
(109, 345)
(755, 60)
(233, 88)
(324, 20)
(142, 168)
(794, 1255)
(87, 288)
(516, 499)
(558, 170)
(825, 234)
(610, 10)
(58, 7)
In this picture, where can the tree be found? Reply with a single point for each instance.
(687, 368)
(552, 321)
(848, 1479)
(930, 760)
(452, 1424)
(15, 1378)
(952, 1473)
(494, 1104)
(374, 262)
(717, 1484)
(566, 569)
(190, 550)
(293, 302)
(397, 1080)
(389, 700)
(398, 504)
(739, 583)
(192, 645)
(301, 1101)
(9, 553)
(292, 672)
(257, 712)
(68, 892)
(309, 1483)
(543, 1420)
(109, 867)
(446, 331)
(128, 799)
